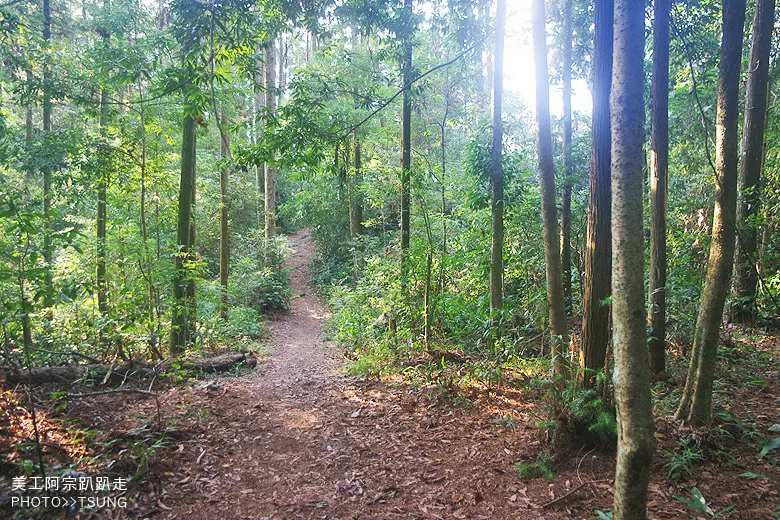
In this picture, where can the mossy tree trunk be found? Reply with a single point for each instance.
(697, 395)
(745, 271)
(631, 374)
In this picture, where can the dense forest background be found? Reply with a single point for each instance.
(153, 156)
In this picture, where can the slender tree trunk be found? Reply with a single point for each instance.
(47, 171)
(259, 103)
(181, 320)
(282, 83)
(659, 168)
(632, 373)
(483, 98)
(406, 139)
(355, 196)
(567, 158)
(552, 252)
(497, 173)
(598, 253)
(28, 110)
(224, 231)
(147, 266)
(270, 169)
(102, 185)
(745, 274)
(697, 396)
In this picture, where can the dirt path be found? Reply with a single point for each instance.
(302, 440)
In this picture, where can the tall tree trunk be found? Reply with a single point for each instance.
(745, 274)
(270, 169)
(28, 110)
(224, 231)
(281, 84)
(181, 318)
(147, 266)
(631, 375)
(259, 103)
(697, 396)
(47, 171)
(483, 97)
(102, 185)
(497, 173)
(659, 168)
(355, 194)
(552, 252)
(406, 138)
(567, 158)
(598, 253)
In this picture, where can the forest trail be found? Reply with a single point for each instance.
(299, 439)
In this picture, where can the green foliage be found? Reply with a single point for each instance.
(699, 504)
(541, 467)
(571, 412)
(680, 465)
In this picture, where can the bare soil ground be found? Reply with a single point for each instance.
(298, 439)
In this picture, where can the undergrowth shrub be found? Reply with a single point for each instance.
(258, 286)
(573, 413)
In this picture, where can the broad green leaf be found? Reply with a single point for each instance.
(771, 444)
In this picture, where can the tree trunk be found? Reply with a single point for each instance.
(552, 252)
(697, 396)
(28, 110)
(598, 253)
(102, 185)
(181, 319)
(259, 103)
(355, 195)
(48, 300)
(120, 375)
(745, 274)
(270, 169)
(659, 168)
(631, 374)
(406, 138)
(224, 231)
(567, 159)
(497, 173)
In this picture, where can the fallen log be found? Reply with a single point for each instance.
(119, 373)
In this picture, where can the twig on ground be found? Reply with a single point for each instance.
(112, 391)
(564, 497)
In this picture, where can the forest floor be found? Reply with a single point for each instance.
(298, 439)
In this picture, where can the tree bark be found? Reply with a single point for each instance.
(745, 274)
(224, 231)
(697, 396)
(102, 185)
(48, 300)
(567, 158)
(659, 168)
(598, 253)
(631, 375)
(270, 169)
(497, 173)
(259, 103)
(28, 110)
(355, 194)
(406, 139)
(552, 252)
(181, 319)
(70, 373)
